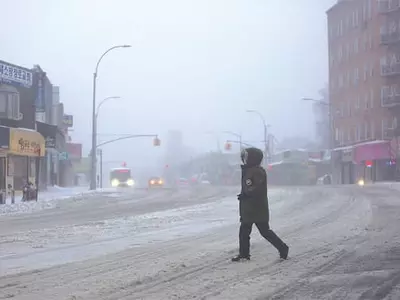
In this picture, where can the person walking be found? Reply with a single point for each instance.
(253, 205)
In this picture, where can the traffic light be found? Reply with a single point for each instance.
(124, 164)
(228, 146)
(156, 142)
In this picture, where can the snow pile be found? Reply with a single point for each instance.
(47, 199)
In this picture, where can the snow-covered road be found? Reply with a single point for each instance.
(345, 244)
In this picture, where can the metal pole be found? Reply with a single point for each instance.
(94, 138)
(94, 123)
(101, 167)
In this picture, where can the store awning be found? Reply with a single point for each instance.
(26, 142)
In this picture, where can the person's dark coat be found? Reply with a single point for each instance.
(254, 194)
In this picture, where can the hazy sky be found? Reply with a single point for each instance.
(194, 65)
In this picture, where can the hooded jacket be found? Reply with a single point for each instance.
(253, 197)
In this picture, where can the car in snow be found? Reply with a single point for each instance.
(121, 177)
(325, 180)
(155, 182)
(182, 182)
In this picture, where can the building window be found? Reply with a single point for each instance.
(366, 101)
(371, 98)
(348, 78)
(369, 9)
(340, 81)
(357, 103)
(371, 70)
(384, 126)
(371, 43)
(366, 72)
(366, 137)
(349, 112)
(347, 51)
(9, 102)
(356, 76)
(372, 130)
(356, 41)
(340, 53)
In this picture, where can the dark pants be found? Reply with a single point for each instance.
(265, 231)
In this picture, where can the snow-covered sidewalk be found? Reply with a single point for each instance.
(47, 199)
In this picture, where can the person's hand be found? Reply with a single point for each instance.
(241, 197)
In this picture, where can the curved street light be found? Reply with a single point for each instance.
(94, 129)
(101, 103)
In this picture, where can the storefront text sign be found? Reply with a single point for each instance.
(347, 155)
(15, 75)
(26, 142)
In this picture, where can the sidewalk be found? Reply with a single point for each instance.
(53, 192)
(47, 199)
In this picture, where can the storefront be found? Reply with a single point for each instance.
(55, 145)
(25, 148)
(4, 142)
(347, 166)
(375, 161)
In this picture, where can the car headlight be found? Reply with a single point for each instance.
(160, 182)
(361, 182)
(114, 182)
(130, 182)
(152, 182)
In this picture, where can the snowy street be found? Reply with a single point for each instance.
(125, 244)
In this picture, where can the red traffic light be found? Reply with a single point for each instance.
(156, 142)
(228, 146)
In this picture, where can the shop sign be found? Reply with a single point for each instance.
(68, 120)
(347, 155)
(50, 142)
(63, 156)
(26, 142)
(40, 101)
(15, 75)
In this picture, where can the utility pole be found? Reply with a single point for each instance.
(101, 167)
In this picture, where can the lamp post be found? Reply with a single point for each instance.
(94, 139)
(265, 125)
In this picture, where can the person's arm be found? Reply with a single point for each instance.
(255, 183)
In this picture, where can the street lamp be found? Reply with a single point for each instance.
(239, 136)
(94, 139)
(266, 147)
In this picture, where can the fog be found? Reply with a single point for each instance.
(194, 65)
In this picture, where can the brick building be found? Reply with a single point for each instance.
(364, 69)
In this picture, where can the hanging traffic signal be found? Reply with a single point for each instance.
(156, 142)
(228, 146)
(124, 164)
